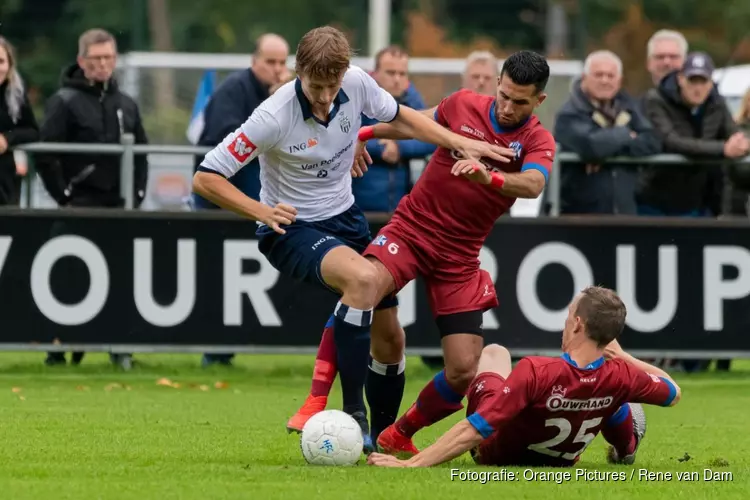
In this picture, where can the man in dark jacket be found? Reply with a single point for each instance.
(89, 108)
(235, 100)
(599, 122)
(692, 119)
(230, 105)
(389, 179)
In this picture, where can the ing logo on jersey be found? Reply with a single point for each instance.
(516, 146)
(241, 148)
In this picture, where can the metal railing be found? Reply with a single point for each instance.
(555, 180)
(128, 149)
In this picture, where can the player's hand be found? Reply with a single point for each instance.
(473, 170)
(280, 214)
(391, 154)
(382, 460)
(613, 350)
(361, 159)
(470, 148)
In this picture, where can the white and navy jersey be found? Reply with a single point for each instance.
(305, 162)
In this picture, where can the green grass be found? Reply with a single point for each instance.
(93, 432)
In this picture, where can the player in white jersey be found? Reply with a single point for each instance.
(310, 228)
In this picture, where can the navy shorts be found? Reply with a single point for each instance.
(299, 253)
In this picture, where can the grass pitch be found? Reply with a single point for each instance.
(172, 430)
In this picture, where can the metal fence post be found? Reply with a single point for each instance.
(554, 184)
(127, 170)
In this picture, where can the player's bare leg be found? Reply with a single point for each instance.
(495, 359)
(324, 374)
(442, 396)
(355, 278)
(385, 377)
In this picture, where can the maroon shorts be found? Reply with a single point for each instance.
(454, 285)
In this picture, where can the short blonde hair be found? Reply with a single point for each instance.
(94, 37)
(323, 53)
(674, 36)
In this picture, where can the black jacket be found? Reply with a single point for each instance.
(697, 133)
(23, 130)
(85, 112)
(597, 135)
(230, 106)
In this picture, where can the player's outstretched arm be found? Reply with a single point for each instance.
(388, 131)
(412, 124)
(528, 184)
(458, 440)
(218, 190)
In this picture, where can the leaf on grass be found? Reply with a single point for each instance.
(16, 390)
(82, 388)
(22, 398)
(685, 458)
(113, 386)
(203, 387)
(167, 383)
(221, 385)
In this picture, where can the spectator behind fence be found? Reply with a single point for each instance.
(666, 51)
(740, 173)
(692, 119)
(17, 124)
(600, 121)
(388, 179)
(229, 107)
(481, 73)
(235, 100)
(90, 108)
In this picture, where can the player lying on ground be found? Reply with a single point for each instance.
(438, 230)
(548, 410)
(310, 228)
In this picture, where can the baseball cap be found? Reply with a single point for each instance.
(698, 64)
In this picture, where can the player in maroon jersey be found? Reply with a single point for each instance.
(548, 410)
(437, 232)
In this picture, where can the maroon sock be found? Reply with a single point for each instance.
(325, 370)
(437, 401)
(618, 431)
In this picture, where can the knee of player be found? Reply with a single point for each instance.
(362, 281)
(460, 373)
(496, 352)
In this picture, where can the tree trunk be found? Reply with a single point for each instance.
(160, 28)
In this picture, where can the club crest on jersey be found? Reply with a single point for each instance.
(345, 124)
(380, 240)
(516, 146)
(558, 402)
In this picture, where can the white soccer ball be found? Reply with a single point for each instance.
(331, 437)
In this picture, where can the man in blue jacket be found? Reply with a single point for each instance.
(236, 99)
(388, 179)
(230, 105)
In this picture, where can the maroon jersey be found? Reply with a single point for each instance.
(549, 410)
(456, 212)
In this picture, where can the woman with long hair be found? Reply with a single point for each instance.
(17, 124)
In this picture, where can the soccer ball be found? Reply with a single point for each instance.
(331, 437)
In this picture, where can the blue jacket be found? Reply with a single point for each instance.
(231, 104)
(384, 184)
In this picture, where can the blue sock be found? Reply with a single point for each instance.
(351, 331)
